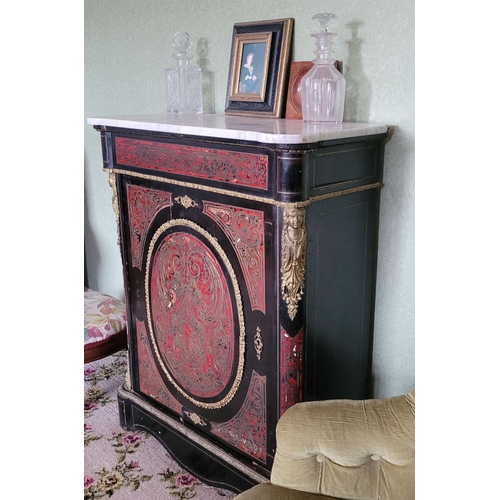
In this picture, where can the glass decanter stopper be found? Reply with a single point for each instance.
(322, 89)
(184, 82)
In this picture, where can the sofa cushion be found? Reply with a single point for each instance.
(357, 450)
(104, 317)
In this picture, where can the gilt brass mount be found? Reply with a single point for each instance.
(293, 255)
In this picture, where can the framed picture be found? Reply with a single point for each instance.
(298, 69)
(258, 68)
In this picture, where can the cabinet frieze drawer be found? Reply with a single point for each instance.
(350, 164)
(233, 167)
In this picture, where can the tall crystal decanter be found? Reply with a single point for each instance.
(322, 89)
(184, 82)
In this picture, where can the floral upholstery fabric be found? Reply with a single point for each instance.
(104, 317)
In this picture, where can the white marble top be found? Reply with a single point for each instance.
(264, 130)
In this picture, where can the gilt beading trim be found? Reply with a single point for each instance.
(235, 194)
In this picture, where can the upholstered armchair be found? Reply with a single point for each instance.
(343, 449)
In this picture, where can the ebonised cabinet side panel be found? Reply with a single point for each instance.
(340, 279)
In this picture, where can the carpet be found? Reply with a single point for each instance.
(128, 464)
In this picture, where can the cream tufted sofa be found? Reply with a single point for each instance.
(343, 449)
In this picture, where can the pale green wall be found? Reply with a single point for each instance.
(127, 47)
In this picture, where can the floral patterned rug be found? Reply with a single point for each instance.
(125, 464)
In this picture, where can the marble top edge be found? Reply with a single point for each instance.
(250, 128)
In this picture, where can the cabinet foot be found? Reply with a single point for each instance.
(195, 454)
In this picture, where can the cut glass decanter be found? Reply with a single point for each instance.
(322, 89)
(184, 82)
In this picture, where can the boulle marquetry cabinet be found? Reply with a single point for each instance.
(249, 255)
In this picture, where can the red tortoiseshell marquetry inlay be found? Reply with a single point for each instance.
(237, 168)
(192, 315)
(248, 429)
(245, 230)
(150, 380)
(143, 205)
(291, 369)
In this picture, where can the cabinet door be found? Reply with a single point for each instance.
(201, 282)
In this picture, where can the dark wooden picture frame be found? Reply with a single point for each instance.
(258, 69)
